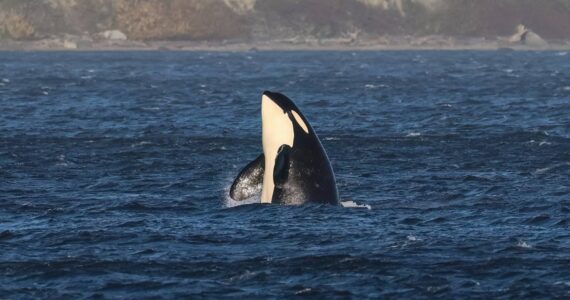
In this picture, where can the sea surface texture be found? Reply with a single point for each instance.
(115, 168)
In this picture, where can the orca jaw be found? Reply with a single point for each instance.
(277, 131)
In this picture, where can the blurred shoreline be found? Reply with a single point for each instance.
(241, 25)
(392, 43)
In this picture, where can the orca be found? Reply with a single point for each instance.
(293, 168)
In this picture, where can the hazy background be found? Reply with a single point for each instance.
(255, 20)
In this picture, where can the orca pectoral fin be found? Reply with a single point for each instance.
(249, 182)
(281, 169)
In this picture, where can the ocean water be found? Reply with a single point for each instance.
(115, 168)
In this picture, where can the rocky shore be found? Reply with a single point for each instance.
(283, 25)
(78, 43)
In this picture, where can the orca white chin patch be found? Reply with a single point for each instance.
(277, 130)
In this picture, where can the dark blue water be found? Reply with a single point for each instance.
(114, 169)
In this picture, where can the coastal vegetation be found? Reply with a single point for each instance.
(245, 20)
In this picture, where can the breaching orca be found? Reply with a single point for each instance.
(293, 168)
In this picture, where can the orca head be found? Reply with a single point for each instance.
(272, 102)
(281, 120)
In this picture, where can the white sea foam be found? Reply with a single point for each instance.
(412, 238)
(229, 202)
(562, 53)
(413, 134)
(523, 244)
(153, 108)
(5, 80)
(566, 88)
(141, 144)
(62, 162)
(243, 276)
(374, 86)
(352, 204)
(303, 291)
(544, 170)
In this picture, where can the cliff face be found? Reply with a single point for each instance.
(271, 19)
(178, 19)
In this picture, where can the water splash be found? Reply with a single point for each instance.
(352, 204)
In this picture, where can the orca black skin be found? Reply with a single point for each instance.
(300, 171)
